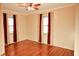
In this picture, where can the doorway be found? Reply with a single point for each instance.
(9, 22)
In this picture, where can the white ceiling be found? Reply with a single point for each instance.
(44, 6)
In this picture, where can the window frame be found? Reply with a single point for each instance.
(45, 25)
(10, 25)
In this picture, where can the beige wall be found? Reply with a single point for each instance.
(64, 27)
(77, 32)
(33, 27)
(21, 27)
(1, 33)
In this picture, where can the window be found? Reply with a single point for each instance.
(10, 23)
(45, 24)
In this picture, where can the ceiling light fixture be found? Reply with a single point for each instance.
(30, 6)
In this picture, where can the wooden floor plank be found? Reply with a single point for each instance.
(31, 48)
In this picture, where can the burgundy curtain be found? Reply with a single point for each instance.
(49, 28)
(5, 27)
(40, 28)
(15, 29)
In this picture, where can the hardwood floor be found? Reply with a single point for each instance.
(31, 48)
